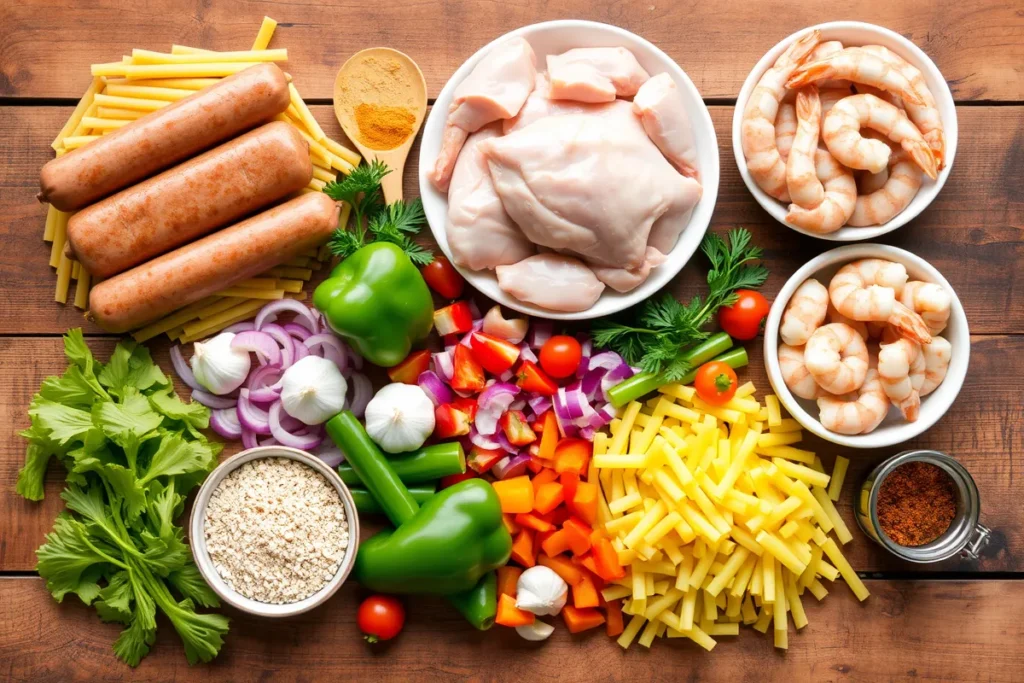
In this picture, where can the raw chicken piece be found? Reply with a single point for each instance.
(625, 280)
(495, 89)
(592, 185)
(480, 233)
(595, 74)
(539, 104)
(660, 106)
(553, 281)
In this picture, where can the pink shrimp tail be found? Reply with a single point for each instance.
(922, 155)
(911, 406)
(801, 48)
(936, 140)
(809, 73)
(808, 105)
(910, 324)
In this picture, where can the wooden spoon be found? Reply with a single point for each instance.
(386, 78)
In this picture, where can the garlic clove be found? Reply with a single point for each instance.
(536, 631)
(400, 418)
(218, 367)
(541, 591)
(313, 390)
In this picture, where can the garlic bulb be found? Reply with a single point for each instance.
(541, 591)
(400, 418)
(538, 630)
(218, 367)
(313, 390)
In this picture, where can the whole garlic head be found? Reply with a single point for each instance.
(218, 367)
(313, 390)
(400, 418)
(541, 591)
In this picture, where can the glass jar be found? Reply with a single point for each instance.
(965, 535)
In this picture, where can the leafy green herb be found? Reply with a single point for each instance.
(396, 222)
(133, 451)
(656, 334)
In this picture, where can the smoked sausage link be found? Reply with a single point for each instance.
(186, 275)
(188, 201)
(163, 138)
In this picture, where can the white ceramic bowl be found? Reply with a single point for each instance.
(853, 33)
(554, 37)
(197, 537)
(894, 429)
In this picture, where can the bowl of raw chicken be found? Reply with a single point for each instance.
(569, 169)
(845, 131)
(867, 345)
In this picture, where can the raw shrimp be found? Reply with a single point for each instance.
(757, 135)
(867, 289)
(899, 189)
(837, 358)
(894, 100)
(842, 134)
(828, 98)
(870, 182)
(936, 363)
(805, 190)
(858, 66)
(834, 316)
(785, 129)
(840, 197)
(857, 414)
(929, 300)
(804, 313)
(825, 50)
(901, 368)
(795, 373)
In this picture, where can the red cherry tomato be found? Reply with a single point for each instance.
(443, 278)
(716, 382)
(743, 319)
(560, 356)
(380, 617)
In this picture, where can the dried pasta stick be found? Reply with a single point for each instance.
(135, 72)
(342, 151)
(78, 113)
(148, 57)
(60, 237)
(186, 50)
(291, 271)
(323, 176)
(305, 115)
(104, 124)
(172, 321)
(218, 306)
(317, 185)
(835, 486)
(63, 279)
(51, 223)
(341, 165)
(292, 286)
(316, 150)
(183, 83)
(82, 290)
(258, 283)
(115, 113)
(268, 294)
(265, 34)
(137, 103)
(148, 92)
(193, 331)
(76, 268)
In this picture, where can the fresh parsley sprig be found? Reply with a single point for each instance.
(656, 334)
(371, 217)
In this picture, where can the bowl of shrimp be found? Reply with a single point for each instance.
(845, 131)
(867, 345)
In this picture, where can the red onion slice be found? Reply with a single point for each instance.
(526, 353)
(240, 327)
(286, 438)
(362, 392)
(506, 445)
(586, 348)
(540, 332)
(251, 417)
(297, 331)
(331, 347)
(249, 439)
(493, 401)
(540, 404)
(301, 351)
(303, 315)
(444, 365)
(483, 441)
(331, 455)
(264, 384)
(262, 344)
(285, 340)
(434, 388)
(183, 370)
(511, 466)
(212, 400)
(224, 421)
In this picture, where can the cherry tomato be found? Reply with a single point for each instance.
(560, 356)
(716, 382)
(743, 319)
(380, 617)
(443, 278)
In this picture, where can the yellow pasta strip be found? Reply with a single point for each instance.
(245, 293)
(82, 290)
(265, 34)
(620, 505)
(835, 486)
(341, 151)
(78, 113)
(850, 576)
(183, 83)
(172, 321)
(149, 92)
(63, 278)
(293, 286)
(51, 223)
(305, 115)
(76, 141)
(104, 124)
(60, 236)
(784, 439)
(781, 552)
(842, 531)
(137, 72)
(787, 452)
(323, 176)
(785, 425)
(771, 402)
(732, 565)
(801, 473)
(629, 633)
(228, 317)
(290, 272)
(205, 57)
(136, 103)
(186, 50)
(119, 114)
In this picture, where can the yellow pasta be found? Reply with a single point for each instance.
(78, 113)
(148, 92)
(82, 290)
(266, 32)
(136, 103)
(838, 476)
(63, 278)
(76, 141)
(207, 57)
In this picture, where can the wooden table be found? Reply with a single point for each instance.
(954, 621)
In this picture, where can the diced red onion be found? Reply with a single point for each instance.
(284, 339)
(225, 422)
(251, 417)
(467, 339)
(434, 388)
(212, 400)
(573, 399)
(506, 445)
(511, 466)
(607, 412)
(474, 311)
(562, 416)
(526, 353)
(493, 401)
(301, 351)
(262, 344)
(444, 365)
(240, 327)
(613, 377)
(591, 384)
(518, 404)
(183, 370)
(586, 348)
(354, 359)
(286, 438)
(506, 376)
(608, 360)
(296, 330)
(587, 433)
(540, 404)
(331, 348)
(264, 384)
(290, 423)
(362, 392)
(249, 438)
(482, 440)
(331, 455)
(540, 332)
(303, 315)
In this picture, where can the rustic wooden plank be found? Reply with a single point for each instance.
(921, 630)
(971, 233)
(46, 53)
(989, 404)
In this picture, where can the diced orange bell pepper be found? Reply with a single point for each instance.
(584, 592)
(535, 464)
(569, 480)
(558, 515)
(606, 560)
(613, 615)
(561, 566)
(516, 494)
(547, 496)
(510, 523)
(508, 579)
(579, 620)
(549, 436)
(531, 521)
(555, 544)
(584, 501)
(522, 548)
(572, 455)
(510, 615)
(545, 476)
(541, 536)
(579, 535)
(587, 561)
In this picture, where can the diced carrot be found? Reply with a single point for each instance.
(584, 592)
(579, 620)
(561, 566)
(541, 536)
(544, 476)
(584, 501)
(535, 464)
(613, 615)
(547, 496)
(556, 544)
(531, 521)
(572, 455)
(549, 436)
(516, 494)
(508, 578)
(579, 535)
(607, 560)
(558, 515)
(588, 562)
(597, 533)
(570, 480)
(510, 615)
(522, 548)
(510, 523)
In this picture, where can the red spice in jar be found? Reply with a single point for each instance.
(916, 503)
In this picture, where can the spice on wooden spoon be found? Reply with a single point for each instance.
(380, 99)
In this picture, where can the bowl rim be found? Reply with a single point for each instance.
(661, 276)
(943, 96)
(959, 361)
(201, 555)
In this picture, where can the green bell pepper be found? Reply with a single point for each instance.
(377, 300)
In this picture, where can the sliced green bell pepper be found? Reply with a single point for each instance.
(366, 504)
(377, 300)
(420, 466)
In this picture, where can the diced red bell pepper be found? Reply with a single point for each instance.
(454, 319)
(606, 560)
(529, 377)
(453, 479)
(409, 370)
(613, 613)
(509, 521)
(467, 405)
(494, 354)
(517, 431)
(469, 375)
(535, 465)
(449, 422)
(572, 455)
(481, 460)
(569, 480)
(555, 544)
(508, 580)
